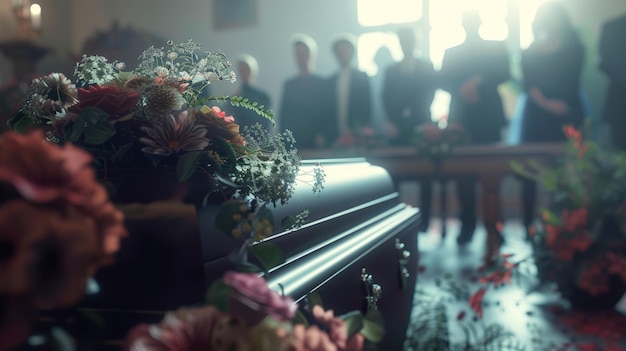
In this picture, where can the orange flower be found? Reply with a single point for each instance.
(46, 173)
(51, 257)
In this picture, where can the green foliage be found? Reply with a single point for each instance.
(187, 164)
(238, 101)
(229, 215)
(373, 326)
(217, 295)
(355, 322)
(314, 299)
(91, 127)
(269, 255)
(20, 123)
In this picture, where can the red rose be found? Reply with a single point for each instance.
(113, 100)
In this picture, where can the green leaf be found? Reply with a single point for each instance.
(217, 295)
(225, 219)
(187, 164)
(73, 130)
(299, 318)
(97, 129)
(314, 299)
(268, 254)
(20, 123)
(98, 133)
(354, 322)
(373, 326)
(288, 222)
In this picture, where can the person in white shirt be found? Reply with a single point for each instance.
(350, 95)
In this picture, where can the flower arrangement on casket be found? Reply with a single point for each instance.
(245, 314)
(57, 226)
(157, 115)
(581, 242)
(435, 143)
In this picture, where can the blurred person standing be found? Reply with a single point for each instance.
(351, 95)
(471, 72)
(613, 64)
(551, 72)
(304, 108)
(247, 70)
(408, 91)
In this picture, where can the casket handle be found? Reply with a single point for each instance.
(403, 261)
(373, 291)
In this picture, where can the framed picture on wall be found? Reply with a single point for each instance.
(235, 13)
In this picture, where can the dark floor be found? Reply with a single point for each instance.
(514, 317)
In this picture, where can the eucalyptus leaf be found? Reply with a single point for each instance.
(373, 326)
(314, 299)
(354, 322)
(268, 254)
(217, 295)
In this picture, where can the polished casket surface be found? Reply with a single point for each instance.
(356, 223)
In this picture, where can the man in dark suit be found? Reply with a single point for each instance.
(613, 64)
(408, 92)
(247, 69)
(471, 73)
(350, 95)
(304, 106)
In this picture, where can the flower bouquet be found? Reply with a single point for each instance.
(57, 227)
(581, 242)
(435, 143)
(243, 313)
(158, 117)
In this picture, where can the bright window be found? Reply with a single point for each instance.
(377, 12)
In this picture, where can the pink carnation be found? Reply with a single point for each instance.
(253, 300)
(183, 330)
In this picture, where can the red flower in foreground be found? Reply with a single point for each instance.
(46, 173)
(476, 301)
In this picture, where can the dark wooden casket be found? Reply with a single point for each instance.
(356, 224)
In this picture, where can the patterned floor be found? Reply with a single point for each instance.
(515, 317)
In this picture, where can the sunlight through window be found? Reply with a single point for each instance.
(380, 12)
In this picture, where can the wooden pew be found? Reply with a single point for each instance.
(489, 163)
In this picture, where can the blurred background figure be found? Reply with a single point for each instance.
(304, 107)
(551, 71)
(351, 95)
(382, 60)
(247, 70)
(408, 91)
(471, 72)
(613, 64)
